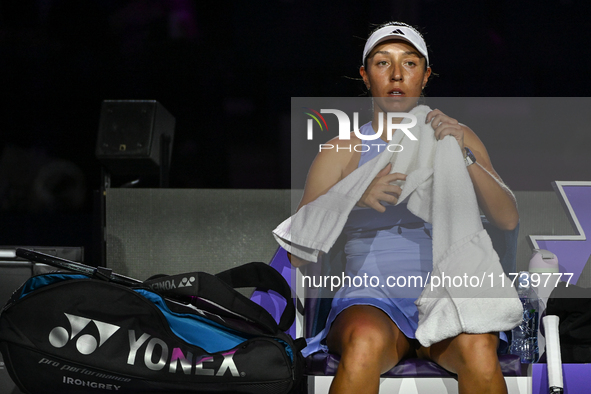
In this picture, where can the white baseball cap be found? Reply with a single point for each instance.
(396, 32)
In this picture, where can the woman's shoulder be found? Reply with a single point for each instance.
(342, 153)
(345, 144)
(336, 159)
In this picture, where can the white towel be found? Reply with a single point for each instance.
(439, 190)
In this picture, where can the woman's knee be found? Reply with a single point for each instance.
(359, 328)
(471, 344)
(466, 352)
(367, 333)
(477, 352)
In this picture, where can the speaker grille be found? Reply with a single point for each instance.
(126, 130)
(129, 135)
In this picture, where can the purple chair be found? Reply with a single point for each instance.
(318, 300)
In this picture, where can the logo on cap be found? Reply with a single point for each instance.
(397, 31)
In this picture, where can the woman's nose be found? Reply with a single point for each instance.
(397, 73)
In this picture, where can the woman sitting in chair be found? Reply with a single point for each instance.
(373, 328)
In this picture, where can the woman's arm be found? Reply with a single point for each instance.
(494, 197)
(328, 168)
(332, 165)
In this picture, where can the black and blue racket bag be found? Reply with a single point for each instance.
(192, 333)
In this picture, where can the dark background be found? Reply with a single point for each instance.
(226, 70)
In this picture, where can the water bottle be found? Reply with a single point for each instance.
(543, 263)
(524, 341)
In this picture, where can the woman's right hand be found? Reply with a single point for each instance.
(381, 189)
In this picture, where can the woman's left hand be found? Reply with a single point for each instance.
(444, 125)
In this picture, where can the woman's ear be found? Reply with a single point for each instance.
(364, 76)
(426, 76)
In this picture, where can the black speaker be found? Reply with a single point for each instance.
(134, 136)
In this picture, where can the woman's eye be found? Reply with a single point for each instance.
(382, 63)
(411, 63)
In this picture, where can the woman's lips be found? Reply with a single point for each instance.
(396, 92)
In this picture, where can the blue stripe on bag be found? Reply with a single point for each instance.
(44, 280)
(194, 329)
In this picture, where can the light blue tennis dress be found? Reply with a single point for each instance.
(392, 251)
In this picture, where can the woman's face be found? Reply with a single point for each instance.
(396, 71)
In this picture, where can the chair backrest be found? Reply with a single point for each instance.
(273, 303)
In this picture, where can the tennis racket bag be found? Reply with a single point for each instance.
(192, 333)
(572, 305)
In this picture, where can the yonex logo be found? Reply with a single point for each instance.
(187, 282)
(397, 31)
(170, 284)
(158, 354)
(86, 343)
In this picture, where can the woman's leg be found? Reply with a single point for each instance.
(369, 344)
(473, 357)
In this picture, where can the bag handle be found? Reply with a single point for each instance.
(219, 289)
(263, 276)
